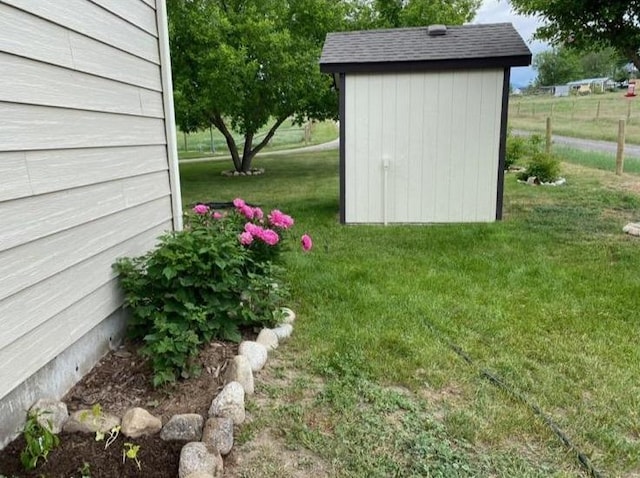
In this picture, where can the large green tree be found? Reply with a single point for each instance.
(561, 65)
(585, 24)
(367, 14)
(237, 64)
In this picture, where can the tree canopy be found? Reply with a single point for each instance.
(588, 24)
(237, 64)
(561, 65)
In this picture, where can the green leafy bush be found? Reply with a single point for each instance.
(205, 282)
(544, 166)
(516, 150)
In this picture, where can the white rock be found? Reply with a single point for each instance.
(184, 427)
(283, 331)
(256, 354)
(52, 414)
(229, 403)
(632, 228)
(199, 474)
(137, 422)
(268, 338)
(218, 432)
(87, 421)
(197, 457)
(289, 315)
(239, 370)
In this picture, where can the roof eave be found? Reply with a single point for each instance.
(427, 65)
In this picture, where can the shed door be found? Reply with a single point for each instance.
(438, 135)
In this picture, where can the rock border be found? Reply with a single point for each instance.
(252, 172)
(206, 439)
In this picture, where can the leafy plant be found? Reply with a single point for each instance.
(516, 150)
(40, 440)
(204, 282)
(544, 166)
(85, 470)
(130, 451)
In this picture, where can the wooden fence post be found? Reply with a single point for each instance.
(547, 145)
(620, 151)
(598, 110)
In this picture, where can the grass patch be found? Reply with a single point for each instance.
(596, 160)
(199, 143)
(545, 298)
(592, 116)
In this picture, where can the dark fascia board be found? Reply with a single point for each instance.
(430, 65)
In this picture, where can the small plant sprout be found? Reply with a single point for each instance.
(85, 470)
(40, 440)
(130, 451)
(113, 434)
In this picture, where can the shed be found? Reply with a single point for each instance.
(423, 121)
(88, 173)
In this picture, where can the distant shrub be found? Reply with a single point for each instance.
(542, 165)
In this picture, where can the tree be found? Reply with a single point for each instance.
(367, 14)
(557, 67)
(237, 64)
(588, 24)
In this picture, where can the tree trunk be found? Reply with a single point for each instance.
(249, 153)
(218, 122)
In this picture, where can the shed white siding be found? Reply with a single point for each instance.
(439, 133)
(87, 175)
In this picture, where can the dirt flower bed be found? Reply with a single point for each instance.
(121, 380)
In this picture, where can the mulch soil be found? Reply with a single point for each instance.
(121, 380)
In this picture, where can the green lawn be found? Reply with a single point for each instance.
(594, 116)
(546, 299)
(289, 135)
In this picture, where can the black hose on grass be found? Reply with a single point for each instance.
(500, 383)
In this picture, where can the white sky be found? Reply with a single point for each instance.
(498, 11)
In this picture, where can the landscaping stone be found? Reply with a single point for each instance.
(239, 370)
(229, 403)
(199, 474)
(289, 315)
(283, 331)
(268, 338)
(632, 228)
(184, 427)
(52, 414)
(218, 432)
(197, 457)
(137, 422)
(87, 421)
(256, 354)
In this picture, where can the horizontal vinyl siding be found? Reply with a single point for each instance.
(84, 169)
(439, 133)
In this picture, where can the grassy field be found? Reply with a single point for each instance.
(546, 300)
(594, 116)
(198, 144)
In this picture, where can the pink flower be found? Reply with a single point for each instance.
(257, 213)
(217, 215)
(246, 211)
(252, 229)
(245, 238)
(306, 242)
(201, 209)
(269, 237)
(279, 219)
(239, 203)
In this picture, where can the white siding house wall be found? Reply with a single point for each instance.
(439, 133)
(87, 175)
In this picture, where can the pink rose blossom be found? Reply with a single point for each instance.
(306, 242)
(257, 213)
(201, 209)
(245, 238)
(217, 215)
(279, 219)
(239, 203)
(269, 236)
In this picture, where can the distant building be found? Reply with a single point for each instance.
(592, 85)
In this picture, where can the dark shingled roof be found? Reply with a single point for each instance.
(402, 49)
